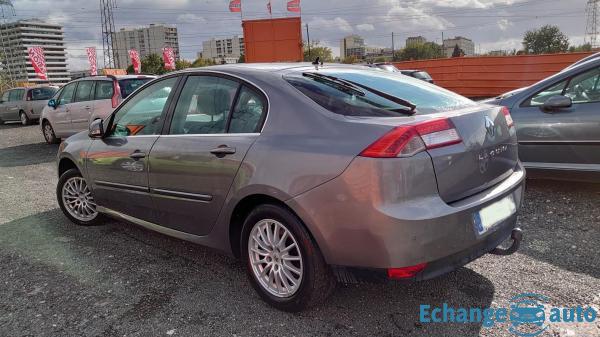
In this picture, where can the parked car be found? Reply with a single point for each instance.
(304, 174)
(81, 101)
(24, 104)
(420, 74)
(558, 123)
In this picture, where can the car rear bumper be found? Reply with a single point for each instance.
(380, 216)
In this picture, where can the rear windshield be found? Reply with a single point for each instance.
(128, 86)
(44, 93)
(427, 97)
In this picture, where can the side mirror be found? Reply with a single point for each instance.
(557, 102)
(52, 103)
(96, 129)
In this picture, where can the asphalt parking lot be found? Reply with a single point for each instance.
(57, 279)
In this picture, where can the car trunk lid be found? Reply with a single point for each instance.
(487, 154)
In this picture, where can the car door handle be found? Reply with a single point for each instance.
(222, 151)
(88, 108)
(137, 155)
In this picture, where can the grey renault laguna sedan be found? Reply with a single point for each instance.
(558, 122)
(307, 174)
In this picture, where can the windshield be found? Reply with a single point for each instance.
(128, 86)
(39, 94)
(422, 75)
(428, 98)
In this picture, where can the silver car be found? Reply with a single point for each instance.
(84, 100)
(306, 174)
(24, 104)
(558, 123)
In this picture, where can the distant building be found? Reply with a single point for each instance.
(414, 40)
(497, 53)
(18, 36)
(463, 43)
(226, 50)
(352, 45)
(146, 40)
(376, 54)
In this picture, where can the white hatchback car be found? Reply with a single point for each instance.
(84, 100)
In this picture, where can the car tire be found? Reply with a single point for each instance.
(48, 132)
(24, 119)
(76, 201)
(315, 281)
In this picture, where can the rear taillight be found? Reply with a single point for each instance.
(405, 272)
(508, 117)
(116, 94)
(408, 140)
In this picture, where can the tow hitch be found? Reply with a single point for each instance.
(516, 236)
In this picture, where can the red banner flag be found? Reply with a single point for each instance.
(135, 60)
(235, 6)
(269, 8)
(169, 58)
(91, 54)
(38, 61)
(293, 6)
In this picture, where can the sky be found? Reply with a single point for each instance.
(491, 24)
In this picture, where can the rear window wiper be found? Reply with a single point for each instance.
(359, 87)
(342, 84)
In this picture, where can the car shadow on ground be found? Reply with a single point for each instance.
(28, 154)
(566, 236)
(119, 279)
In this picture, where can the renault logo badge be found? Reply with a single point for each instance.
(489, 126)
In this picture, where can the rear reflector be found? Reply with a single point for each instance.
(406, 141)
(508, 117)
(405, 272)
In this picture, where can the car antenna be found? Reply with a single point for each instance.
(317, 62)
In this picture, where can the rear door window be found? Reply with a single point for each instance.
(248, 113)
(104, 90)
(84, 91)
(42, 94)
(16, 95)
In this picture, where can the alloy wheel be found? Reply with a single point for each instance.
(77, 199)
(275, 258)
(23, 118)
(48, 132)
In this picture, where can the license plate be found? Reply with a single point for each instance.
(493, 214)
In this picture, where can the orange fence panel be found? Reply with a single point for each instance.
(273, 40)
(487, 76)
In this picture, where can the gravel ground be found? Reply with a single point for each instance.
(120, 280)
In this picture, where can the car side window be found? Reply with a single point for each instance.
(104, 90)
(84, 91)
(5, 96)
(143, 114)
(541, 97)
(204, 105)
(67, 94)
(16, 95)
(248, 112)
(584, 88)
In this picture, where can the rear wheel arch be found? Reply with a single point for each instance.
(242, 210)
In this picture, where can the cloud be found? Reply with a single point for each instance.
(337, 24)
(470, 3)
(365, 27)
(190, 18)
(412, 19)
(505, 44)
(504, 24)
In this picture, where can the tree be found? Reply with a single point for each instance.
(457, 52)
(316, 50)
(151, 64)
(203, 63)
(580, 48)
(242, 59)
(349, 59)
(546, 40)
(182, 64)
(421, 51)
